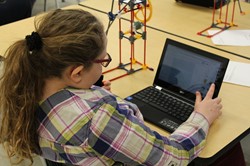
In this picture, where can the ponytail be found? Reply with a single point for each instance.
(62, 38)
(19, 97)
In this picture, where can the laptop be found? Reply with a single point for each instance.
(182, 71)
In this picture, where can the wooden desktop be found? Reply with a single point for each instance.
(185, 20)
(230, 128)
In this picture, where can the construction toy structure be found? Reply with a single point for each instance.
(219, 23)
(137, 31)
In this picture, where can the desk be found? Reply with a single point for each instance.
(185, 20)
(167, 21)
(230, 128)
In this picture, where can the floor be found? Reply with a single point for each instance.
(38, 8)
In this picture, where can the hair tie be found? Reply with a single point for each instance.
(34, 41)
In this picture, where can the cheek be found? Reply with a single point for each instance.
(97, 73)
(100, 69)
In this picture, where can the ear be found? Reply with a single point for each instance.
(76, 74)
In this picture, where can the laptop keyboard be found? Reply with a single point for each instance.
(166, 103)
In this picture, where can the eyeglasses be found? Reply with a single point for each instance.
(104, 62)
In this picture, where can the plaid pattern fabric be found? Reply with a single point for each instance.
(94, 127)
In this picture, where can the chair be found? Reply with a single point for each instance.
(51, 163)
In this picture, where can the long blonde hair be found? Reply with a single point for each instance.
(68, 37)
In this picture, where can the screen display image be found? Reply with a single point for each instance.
(189, 71)
(184, 69)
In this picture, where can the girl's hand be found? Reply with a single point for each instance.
(106, 85)
(210, 108)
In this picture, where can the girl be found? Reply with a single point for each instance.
(50, 107)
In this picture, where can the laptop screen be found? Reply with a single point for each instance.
(184, 70)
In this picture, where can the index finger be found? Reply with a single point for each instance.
(106, 82)
(210, 92)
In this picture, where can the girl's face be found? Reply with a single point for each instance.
(91, 75)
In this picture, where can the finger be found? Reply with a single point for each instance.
(198, 97)
(106, 83)
(210, 92)
(217, 108)
(107, 88)
(218, 100)
(220, 112)
(220, 107)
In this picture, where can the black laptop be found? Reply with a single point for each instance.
(182, 71)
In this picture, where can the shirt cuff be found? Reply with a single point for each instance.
(200, 120)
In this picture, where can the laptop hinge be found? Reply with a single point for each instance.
(158, 87)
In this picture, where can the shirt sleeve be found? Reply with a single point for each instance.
(118, 132)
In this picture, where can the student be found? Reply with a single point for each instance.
(49, 106)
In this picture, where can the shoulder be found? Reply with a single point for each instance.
(93, 94)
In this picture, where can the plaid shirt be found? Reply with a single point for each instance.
(94, 127)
